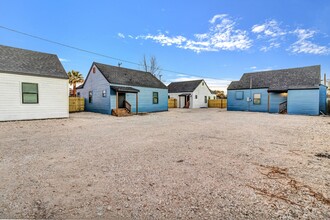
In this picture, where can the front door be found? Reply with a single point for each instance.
(187, 101)
(121, 99)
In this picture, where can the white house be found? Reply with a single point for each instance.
(190, 94)
(33, 85)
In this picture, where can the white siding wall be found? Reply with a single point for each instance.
(176, 96)
(201, 91)
(53, 98)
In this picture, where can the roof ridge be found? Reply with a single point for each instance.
(292, 68)
(29, 50)
(113, 66)
(130, 77)
(188, 81)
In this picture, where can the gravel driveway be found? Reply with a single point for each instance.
(188, 164)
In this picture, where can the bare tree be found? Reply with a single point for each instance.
(151, 66)
(220, 94)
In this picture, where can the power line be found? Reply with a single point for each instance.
(92, 52)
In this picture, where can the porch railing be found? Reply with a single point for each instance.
(283, 107)
(128, 106)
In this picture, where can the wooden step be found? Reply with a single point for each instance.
(121, 112)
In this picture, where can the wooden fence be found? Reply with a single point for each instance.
(217, 103)
(76, 104)
(172, 103)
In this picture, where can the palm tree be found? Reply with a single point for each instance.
(74, 78)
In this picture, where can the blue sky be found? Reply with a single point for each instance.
(214, 40)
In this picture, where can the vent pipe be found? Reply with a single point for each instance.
(250, 82)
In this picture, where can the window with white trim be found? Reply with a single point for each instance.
(256, 98)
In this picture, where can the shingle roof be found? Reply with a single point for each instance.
(281, 80)
(184, 86)
(130, 77)
(16, 60)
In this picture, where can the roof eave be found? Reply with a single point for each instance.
(33, 74)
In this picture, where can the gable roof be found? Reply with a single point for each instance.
(183, 86)
(16, 60)
(130, 77)
(281, 80)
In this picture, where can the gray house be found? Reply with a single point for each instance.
(117, 90)
(295, 91)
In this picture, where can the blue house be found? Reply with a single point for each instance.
(295, 91)
(121, 91)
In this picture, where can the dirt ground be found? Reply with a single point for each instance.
(188, 164)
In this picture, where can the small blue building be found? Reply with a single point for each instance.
(118, 91)
(292, 91)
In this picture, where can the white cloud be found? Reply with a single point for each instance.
(258, 28)
(164, 40)
(253, 67)
(265, 69)
(271, 32)
(268, 29)
(270, 46)
(130, 36)
(64, 60)
(121, 35)
(222, 35)
(216, 17)
(181, 75)
(304, 45)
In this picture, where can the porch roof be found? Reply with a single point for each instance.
(285, 89)
(124, 89)
(185, 94)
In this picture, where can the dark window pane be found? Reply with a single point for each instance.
(155, 97)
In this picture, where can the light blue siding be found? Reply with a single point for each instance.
(263, 107)
(234, 104)
(96, 83)
(303, 102)
(145, 103)
(323, 99)
(274, 101)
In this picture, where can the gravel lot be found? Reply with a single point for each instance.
(189, 164)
